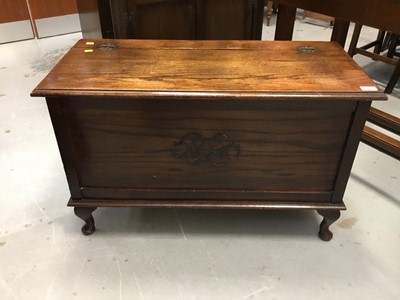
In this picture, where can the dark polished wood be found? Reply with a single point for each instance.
(207, 204)
(381, 141)
(285, 23)
(201, 194)
(85, 213)
(310, 135)
(175, 19)
(65, 146)
(350, 150)
(393, 79)
(330, 216)
(207, 124)
(384, 120)
(228, 19)
(339, 32)
(381, 14)
(159, 19)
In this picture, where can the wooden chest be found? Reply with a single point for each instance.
(205, 124)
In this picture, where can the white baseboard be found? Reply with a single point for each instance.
(15, 31)
(58, 25)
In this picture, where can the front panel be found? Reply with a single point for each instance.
(173, 148)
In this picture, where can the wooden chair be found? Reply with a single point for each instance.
(384, 42)
(271, 8)
(380, 45)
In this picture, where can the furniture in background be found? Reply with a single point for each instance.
(172, 19)
(385, 17)
(26, 19)
(208, 124)
(95, 18)
(15, 22)
(51, 18)
(271, 9)
(385, 41)
(379, 140)
(310, 15)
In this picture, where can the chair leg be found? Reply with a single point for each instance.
(274, 7)
(380, 37)
(393, 79)
(354, 39)
(392, 46)
(269, 11)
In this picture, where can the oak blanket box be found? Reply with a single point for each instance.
(208, 124)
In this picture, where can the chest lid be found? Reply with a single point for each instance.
(209, 69)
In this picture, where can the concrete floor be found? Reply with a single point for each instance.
(181, 254)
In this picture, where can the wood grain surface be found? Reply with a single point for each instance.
(288, 147)
(47, 9)
(224, 19)
(202, 124)
(137, 68)
(159, 19)
(381, 141)
(13, 11)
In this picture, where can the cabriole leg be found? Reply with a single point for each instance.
(330, 216)
(85, 213)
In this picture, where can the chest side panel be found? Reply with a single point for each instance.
(155, 145)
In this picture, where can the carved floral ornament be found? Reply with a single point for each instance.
(217, 150)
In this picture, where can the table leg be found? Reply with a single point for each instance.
(330, 216)
(85, 213)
